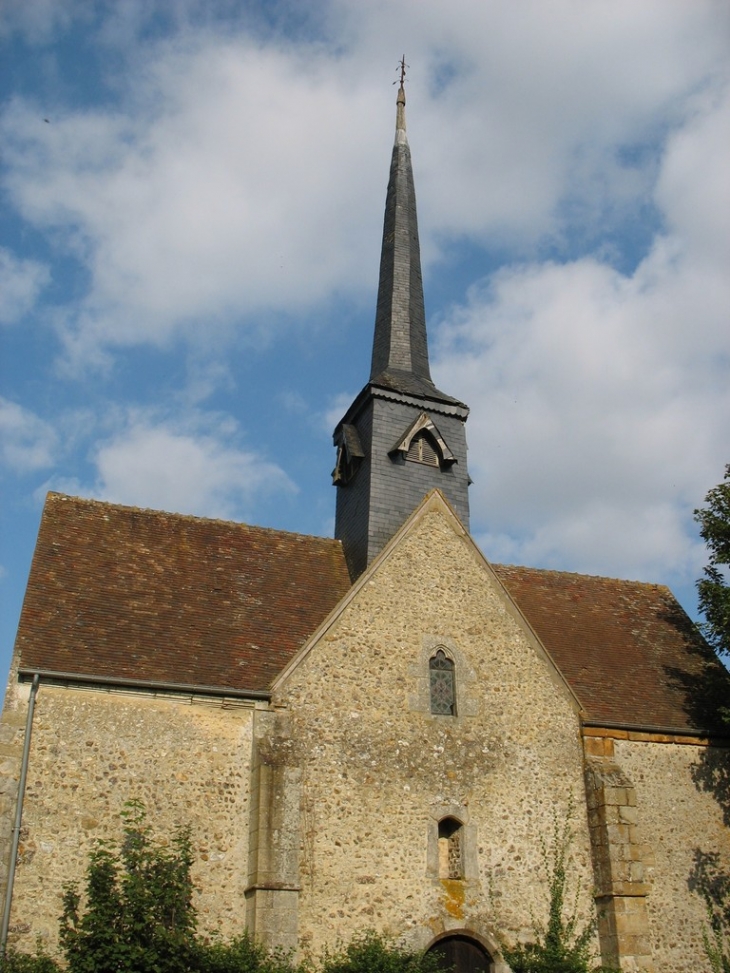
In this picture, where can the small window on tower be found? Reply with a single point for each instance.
(443, 689)
(451, 858)
(349, 454)
(422, 450)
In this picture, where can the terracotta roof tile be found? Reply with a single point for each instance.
(627, 648)
(140, 594)
(117, 592)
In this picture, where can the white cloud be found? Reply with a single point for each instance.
(21, 281)
(40, 20)
(204, 200)
(536, 104)
(338, 406)
(600, 401)
(237, 176)
(28, 442)
(693, 189)
(185, 469)
(238, 181)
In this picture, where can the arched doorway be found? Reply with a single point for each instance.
(462, 954)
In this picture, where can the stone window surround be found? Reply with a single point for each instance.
(442, 687)
(469, 863)
(425, 425)
(465, 680)
(451, 859)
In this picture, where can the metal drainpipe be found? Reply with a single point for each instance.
(18, 818)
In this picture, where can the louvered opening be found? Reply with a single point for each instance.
(422, 450)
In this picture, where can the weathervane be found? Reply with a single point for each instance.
(402, 68)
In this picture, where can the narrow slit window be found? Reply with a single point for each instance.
(443, 689)
(451, 854)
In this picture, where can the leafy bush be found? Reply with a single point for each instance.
(716, 935)
(372, 953)
(563, 944)
(242, 954)
(714, 586)
(138, 916)
(23, 963)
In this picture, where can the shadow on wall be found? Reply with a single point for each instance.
(706, 691)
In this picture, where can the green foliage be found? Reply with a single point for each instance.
(240, 955)
(563, 944)
(138, 916)
(713, 884)
(717, 945)
(371, 953)
(23, 963)
(714, 587)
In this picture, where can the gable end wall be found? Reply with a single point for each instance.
(377, 772)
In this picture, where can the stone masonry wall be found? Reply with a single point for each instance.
(621, 859)
(92, 751)
(684, 811)
(379, 771)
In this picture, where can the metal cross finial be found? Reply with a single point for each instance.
(402, 68)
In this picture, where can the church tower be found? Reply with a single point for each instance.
(401, 437)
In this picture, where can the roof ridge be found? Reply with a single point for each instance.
(581, 574)
(54, 496)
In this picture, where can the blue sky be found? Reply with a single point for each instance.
(192, 197)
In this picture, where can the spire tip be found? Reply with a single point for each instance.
(400, 123)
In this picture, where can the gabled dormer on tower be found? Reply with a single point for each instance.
(401, 437)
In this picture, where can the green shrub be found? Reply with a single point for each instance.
(242, 954)
(372, 953)
(563, 944)
(716, 936)
(138, 915)
(23, 963)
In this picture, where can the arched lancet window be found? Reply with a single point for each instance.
(451, 851)
(442, 684)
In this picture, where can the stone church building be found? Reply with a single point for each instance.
(371, 732)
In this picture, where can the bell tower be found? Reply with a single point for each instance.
(401, 437)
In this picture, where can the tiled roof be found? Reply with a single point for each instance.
(398, 380)
(627, 649)
(120, 593)
(143, 595)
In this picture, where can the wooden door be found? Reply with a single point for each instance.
(461, 954)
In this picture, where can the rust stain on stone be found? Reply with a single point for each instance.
(454, 901)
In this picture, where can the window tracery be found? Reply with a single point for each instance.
(442, 684)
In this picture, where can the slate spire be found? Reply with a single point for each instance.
(401, 437)
(400, 344)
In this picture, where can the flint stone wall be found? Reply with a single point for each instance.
(360, 773)
(92, 751)
(683, 809)
(12, 737)
(378, 771)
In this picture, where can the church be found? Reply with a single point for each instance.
(376, 731)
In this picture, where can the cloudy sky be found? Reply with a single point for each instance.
(192, 195)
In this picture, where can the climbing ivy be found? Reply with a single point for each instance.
(564, 943)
